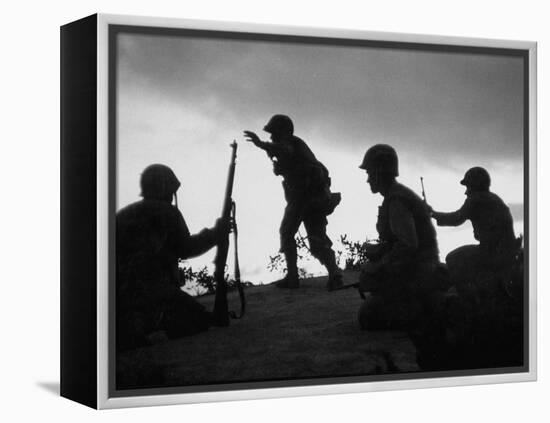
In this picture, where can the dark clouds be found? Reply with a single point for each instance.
(517, 211)
(181, 100)
(433, 104)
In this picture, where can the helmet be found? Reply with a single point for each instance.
(477, 178)
(382, 158)
(158, 182)
(279, 124)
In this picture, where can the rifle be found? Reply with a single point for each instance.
(351, 285)
(221, 311)
(423, 192)
(237, 272)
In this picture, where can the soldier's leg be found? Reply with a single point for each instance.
(389, 305)
(320, 246)
(371, 282)
(292, 219)
(132, 328)
(372, 313)
(136, 318)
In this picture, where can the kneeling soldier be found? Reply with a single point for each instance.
(400, 272)
(151, 236)
(487, 323)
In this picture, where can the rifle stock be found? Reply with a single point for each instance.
(237, 272)
(221, 310)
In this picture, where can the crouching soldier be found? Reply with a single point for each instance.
(306, 184)
(151, 236)
(490, 261)
(400, 275)
(488, 307)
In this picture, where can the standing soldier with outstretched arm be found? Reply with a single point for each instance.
(306, 184)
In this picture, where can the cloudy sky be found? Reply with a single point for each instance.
(182, 100)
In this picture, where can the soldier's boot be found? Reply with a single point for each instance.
(290, 281)
(335, 278)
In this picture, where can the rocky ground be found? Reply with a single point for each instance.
(307, 333)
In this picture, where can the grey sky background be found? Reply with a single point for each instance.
(182, 100)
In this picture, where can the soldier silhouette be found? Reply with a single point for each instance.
(492, 224)
(401, 268)
(151, 235)
(306, 184)
(485, 320)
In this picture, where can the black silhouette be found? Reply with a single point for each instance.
(306, 184)
(221, 311)
(484, 317)
(493, 227)
(151, 235)
(402, 272)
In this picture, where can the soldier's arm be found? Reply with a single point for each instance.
(199, 243)
(272, 149)
(192, 245)
(455, 218)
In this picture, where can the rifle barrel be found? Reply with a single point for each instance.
(423, 192)
(221, 308)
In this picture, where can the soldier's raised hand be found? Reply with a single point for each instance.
(252, 137)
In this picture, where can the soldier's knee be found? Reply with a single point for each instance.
(371, 313)
(461, 255)
(318, 251)
(287, 240)
(369, 282)
(287, 245)
(452, 258)
(319, 246)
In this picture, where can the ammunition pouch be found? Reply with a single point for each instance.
(325, 202)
